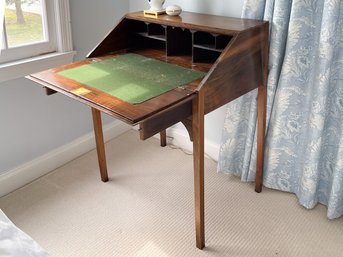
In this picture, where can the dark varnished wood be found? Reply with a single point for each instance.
(261, 129)
(166, 118)
(179, 41)
(201, 22)
(235, 62)
(163, 138)
(198, 159)
(261, 112)
(49, 91)
(188, 125)
(119, 37)
(236, 72)
(100, 146)
(115, 40)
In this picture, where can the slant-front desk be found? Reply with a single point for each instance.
(157, 72)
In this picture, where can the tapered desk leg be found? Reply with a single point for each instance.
(261, 113)
(163, 138)
(261, 128)
(198, 157)
(100, 146)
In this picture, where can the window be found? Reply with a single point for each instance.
(34, 29)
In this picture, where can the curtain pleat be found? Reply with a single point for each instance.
(304, 136)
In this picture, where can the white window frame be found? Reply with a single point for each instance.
(35, 48)
(57, 52)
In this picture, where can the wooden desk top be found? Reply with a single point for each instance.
(204, 22)
(113, 106)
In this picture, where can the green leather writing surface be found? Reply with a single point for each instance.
(132, 78)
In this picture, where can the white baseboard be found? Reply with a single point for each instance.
(26, 173)
(180, 138)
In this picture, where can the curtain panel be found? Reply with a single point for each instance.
(304, 137)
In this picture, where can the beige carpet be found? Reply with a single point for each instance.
(146, 209)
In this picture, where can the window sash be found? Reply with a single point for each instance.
(62, 55)
(34, 49)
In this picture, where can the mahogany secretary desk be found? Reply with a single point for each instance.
(232, 53)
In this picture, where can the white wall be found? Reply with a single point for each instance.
(92, 20)
(233, 8)
(31, 123)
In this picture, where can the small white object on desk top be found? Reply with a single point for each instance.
(156, 5)
(173, 10)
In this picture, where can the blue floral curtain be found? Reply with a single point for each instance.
(304, 137)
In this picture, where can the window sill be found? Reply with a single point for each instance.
(21, 68)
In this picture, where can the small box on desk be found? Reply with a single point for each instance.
(150, 13)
